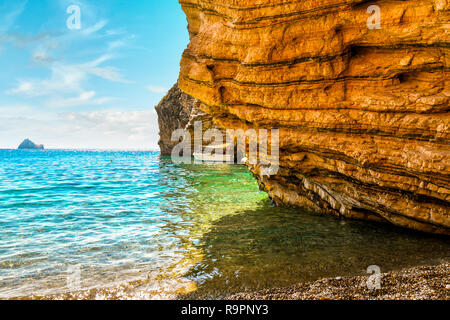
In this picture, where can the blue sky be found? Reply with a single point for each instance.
(93, 87)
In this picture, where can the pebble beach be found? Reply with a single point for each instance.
(419, 283)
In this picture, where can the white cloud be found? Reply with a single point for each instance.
(41, 55)
(108, 73)
(157, 89)
(8, 19)
(67, 78)
(97, 27)
(106, 129)
(85, 98)
(17, 111)
(64, 78)
(129, 125)
(115, 32)
(115, 44)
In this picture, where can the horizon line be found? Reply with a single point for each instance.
(88, 149)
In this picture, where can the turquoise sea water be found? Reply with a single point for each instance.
(137, 226)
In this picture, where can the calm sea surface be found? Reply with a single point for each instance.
(104, 224)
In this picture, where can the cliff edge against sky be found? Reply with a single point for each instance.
(363, 112)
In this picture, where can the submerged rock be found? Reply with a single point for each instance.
(363, 111)
(28, 144)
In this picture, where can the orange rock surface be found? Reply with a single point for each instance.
(363, 113)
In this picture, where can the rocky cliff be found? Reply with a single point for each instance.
(178, 110)
(173, 112)
(363, 109)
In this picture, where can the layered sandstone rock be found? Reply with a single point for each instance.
(363, 113)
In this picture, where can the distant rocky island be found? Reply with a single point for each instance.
(30, 145)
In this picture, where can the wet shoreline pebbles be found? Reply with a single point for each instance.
(419, 283)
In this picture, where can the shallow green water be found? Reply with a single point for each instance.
(143, 227)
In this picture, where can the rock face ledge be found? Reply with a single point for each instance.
(30, 145)
(363, 113)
